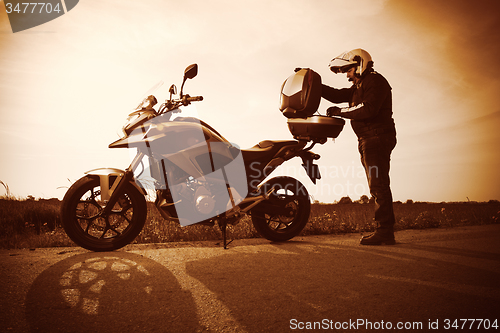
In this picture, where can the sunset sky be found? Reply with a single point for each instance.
(67, 86)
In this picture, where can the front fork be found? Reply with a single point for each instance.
(111, 194)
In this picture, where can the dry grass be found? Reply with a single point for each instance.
(31, 223)
(344, 218)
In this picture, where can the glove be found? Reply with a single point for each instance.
(333, 111)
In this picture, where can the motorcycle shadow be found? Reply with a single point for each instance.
(109, 292)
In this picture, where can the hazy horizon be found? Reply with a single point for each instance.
(68, 85)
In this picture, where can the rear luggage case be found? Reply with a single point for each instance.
(316, 128)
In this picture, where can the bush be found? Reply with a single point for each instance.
(24, 218)
(345, 200)
(424, 220)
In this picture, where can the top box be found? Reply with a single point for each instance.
(301, 94)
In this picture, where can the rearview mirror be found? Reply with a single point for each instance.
(191, 71)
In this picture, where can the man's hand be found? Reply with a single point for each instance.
(333, 111)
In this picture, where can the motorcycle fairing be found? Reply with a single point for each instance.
(137, 118)
(142, 120)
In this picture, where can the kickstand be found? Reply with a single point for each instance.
(223, 228)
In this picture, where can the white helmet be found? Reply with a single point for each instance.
(357, 57)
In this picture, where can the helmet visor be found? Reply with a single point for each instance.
(345, 69)
(338, 65)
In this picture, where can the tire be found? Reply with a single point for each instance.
(81, 221)
(290, 194)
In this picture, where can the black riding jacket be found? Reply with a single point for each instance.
(370, 105)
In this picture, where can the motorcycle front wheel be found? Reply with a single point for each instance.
(83, 222)
(285, 213)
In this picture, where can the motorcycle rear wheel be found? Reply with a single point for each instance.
(81, 219)
(288, 194)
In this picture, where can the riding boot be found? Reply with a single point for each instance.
(379, 237)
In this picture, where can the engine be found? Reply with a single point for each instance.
(197, 200)
(203, 200)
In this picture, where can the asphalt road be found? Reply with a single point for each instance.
(316, 283)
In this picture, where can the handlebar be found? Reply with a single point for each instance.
(172, 104)
(193, 99)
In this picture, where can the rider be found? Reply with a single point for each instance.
(370, 112)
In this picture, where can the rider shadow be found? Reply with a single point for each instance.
(109, 292)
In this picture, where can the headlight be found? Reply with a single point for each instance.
(148, 103)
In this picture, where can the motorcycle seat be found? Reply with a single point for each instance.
(265, 149)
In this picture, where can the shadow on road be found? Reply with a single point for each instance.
(112, 292)
(266, 290)
(454, 251)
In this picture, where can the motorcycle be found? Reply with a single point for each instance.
(197, 175)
